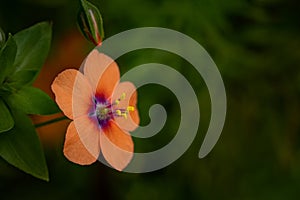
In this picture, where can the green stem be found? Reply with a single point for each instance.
(50, 121)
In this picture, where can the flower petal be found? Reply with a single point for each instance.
(133, 120)
(116, 146)
(88, 132)
(71, 85)
(102, 72)
(75, 150)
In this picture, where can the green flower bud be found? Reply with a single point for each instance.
(90, 22)
(2, 38)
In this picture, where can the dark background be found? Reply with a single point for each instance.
(256, 46)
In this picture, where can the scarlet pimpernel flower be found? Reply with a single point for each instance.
(103, 111)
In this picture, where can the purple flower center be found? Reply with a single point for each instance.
(104, 111)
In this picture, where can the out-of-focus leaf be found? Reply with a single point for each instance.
(6, 120)
(20, 147)
(6, 89)
(33, 47)
(7, 57)
(32, 100)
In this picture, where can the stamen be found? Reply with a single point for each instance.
(118, 112)
(105, 111)
(123, 96)
(124, 114)
(130, 108)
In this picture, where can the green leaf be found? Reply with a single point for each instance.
(32, 100)
(6, 120)
(5, 90)
(20, 79)
(7, 58)
(21, 147)
(33, 47)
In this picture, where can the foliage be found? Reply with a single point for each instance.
(21, 59)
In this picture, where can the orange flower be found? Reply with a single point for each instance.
(102, 109)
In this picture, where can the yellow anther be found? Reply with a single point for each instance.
(130, 108)
(117, 102)
(119, 112)
(123, 96)
(124, 115)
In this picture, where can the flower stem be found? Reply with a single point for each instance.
(50, 121)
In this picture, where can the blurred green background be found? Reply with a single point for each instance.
(256, 46)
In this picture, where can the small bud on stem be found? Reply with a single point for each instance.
(90, 22)
(2, 38)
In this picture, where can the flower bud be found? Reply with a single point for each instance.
(90, 22)
(2, 38)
